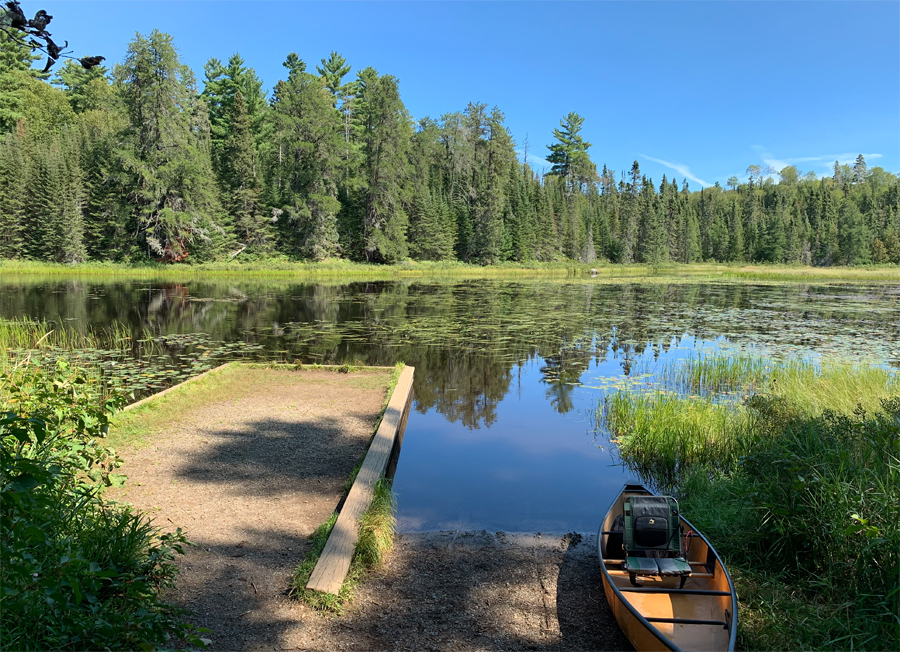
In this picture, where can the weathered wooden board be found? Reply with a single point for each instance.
(334, 562)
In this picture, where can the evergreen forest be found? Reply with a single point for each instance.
(137, 162)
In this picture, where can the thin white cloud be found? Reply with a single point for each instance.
(536, 162)
(680, 168)
(825, 161)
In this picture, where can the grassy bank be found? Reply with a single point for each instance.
(343, 269)
(793, 471)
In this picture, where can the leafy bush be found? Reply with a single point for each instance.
(78, 571)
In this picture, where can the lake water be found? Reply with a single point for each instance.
(509, 374)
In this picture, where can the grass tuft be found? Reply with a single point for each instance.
(376, 539)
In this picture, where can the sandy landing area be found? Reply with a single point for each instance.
(250, 463)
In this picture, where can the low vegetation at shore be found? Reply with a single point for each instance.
(344, 269)
(376, 539)
(793, 472)
(79, 571)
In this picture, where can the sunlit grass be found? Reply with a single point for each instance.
(797, 486)
(810, 387)
(337, 268)
(376, 539)
(662, 434)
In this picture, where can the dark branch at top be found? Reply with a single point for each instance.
(32, 33)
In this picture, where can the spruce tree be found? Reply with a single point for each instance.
(855, 237)
(14, 176)
(170, 185)
(386, 132)
(55, 219)
(239, 177)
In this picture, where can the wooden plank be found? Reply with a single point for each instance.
(334, 562)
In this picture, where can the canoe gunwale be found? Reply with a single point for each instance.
(731, 622)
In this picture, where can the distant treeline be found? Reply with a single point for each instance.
(134, 163)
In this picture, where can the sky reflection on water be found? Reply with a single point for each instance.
(508, 373)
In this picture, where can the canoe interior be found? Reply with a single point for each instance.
(708, 575)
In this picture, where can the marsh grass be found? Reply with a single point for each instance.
(662, 434)
(336, 268)
(797, 486)
(376, 539)
(813, 388)
(33, 334)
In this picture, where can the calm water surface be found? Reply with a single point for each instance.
(508, 373)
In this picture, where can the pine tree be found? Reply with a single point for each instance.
(86, 90)
(569, 154)
(16, 75)
(306, 164)
(171, 184)
(333, 70)
(386, 132)
(222, 83)
(859, 170)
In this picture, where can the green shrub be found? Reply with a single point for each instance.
(78, 572)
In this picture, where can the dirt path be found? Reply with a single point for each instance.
(248, 474)
(471, 591)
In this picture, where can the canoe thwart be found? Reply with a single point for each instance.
(688, 621)
(647, 589)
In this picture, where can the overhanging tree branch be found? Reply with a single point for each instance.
(32, 33)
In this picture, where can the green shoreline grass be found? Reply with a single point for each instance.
(794, 476)
(342, 269)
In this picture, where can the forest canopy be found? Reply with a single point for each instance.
(137, 163)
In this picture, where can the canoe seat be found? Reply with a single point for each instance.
(641, 565)
(658, 567)
(663, 566)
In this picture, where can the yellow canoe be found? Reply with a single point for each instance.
(657, 615)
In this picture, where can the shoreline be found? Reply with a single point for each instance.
(341, 270)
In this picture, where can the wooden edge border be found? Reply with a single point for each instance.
(334, 563)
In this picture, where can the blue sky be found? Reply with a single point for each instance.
(692, 89)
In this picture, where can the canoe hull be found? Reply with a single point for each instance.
(701, 616)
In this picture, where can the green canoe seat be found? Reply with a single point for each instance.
(641, 566)
(673, 566)
(664, 566)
